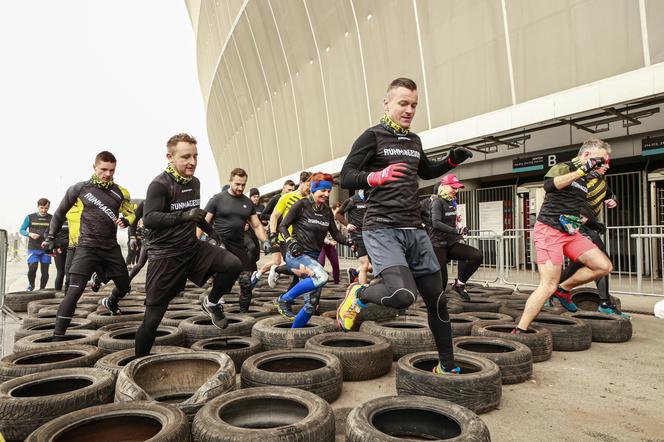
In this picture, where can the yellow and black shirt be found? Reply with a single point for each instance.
(283, 206)
(598, 192)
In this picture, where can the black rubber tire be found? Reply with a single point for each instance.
(238, 348)
(125, 337)
(201, 327)
(255, 311)
(18, 301)
(587, 299)
(115, 362)
(117, 326)
(103, 317)
(515, 311)
(173, 318)
(569, 334)
(30, 401)
(491, 291)
(44, 339)
(407, 334)
(51, 313)
(43, 325)
(35, 361)
(538, 339)
(117, 422)
(317, 372)
(183, 307)
(477, 388)
(375, 312)
(395, 418)
(479, 304)
(191, 378)
(266, 414)
(514, 359)
(35, 306)
(462, 324)
(363, 356)
(452, 308)
(275, 333)
(488, 318)
(605, 327)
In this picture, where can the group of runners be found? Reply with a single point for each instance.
(405, 242)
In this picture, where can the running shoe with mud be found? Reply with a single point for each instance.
(255, 277)
(565, 299)
(111, 304)
(439, 369)
(216, 312)
(612, 309)
(284, 308)
(349, 307)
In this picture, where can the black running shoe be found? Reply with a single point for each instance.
(111, 305)
(96, 283)
(216, 313)
(284, 308)
(460, 290)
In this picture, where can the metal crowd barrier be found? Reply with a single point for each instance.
(490, 245)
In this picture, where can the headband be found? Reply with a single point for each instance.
(321, 185)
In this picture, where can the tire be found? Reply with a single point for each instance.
(488, 318)
(452, 308)
(478, 304)
(605, 328)
(492, 291)
(183, 307)
(51, 313)
(44, 340)
(117, 326)
(588, 299)
(34, 306)
(115, 362)
(569, 334)
(515, 360)
(18, 301)
(186, 380)
(462, 324)
(238, 348)
(375, 312)
(124, 338)
(30, 401)
(395, 418)
(101, 318)
(478, 389)
(255, 311)
(35, 361)
(515, 311)
(408, 335)
(362, 356)
(265, 414)
(42, 325)
(114, 422)
(201, 327)
(275, 333)
(538, 339)
(316, 372)
(173, 318)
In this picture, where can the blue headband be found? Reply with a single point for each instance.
(321, 185)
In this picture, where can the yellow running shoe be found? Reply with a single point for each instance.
(349, 308)
(439, 369)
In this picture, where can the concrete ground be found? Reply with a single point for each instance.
(610, 393)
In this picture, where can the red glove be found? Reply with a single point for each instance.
(391, 173)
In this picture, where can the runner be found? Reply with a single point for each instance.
(60, 255)
(388, 158)
(35, 227)
(250, 239)
(446, 234)
(136, 231)
(133, 246)
(231, 210)
(303, 230)
(354, 209)
(329, 249)
(556, 233)
(101, 202)
(288, 187)
(172, 213)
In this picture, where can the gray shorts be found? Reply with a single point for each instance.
(401, 247)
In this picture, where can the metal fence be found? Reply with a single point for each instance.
(4, 245)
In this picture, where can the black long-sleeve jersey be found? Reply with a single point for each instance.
(138, 214)
(310, 225)
(267, 210)
(100, 208)
(165, 203)
(354, 208)
(440, 218)
(395, 204)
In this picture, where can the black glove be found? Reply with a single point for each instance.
(124, 222)
(590, 165)
(273, 238)
(196, 215)
(267, 247)
(458, 155)
(133, 244)
(49, 245)
(462, 231)
(350, 243)
(295, 248)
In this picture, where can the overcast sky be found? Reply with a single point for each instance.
(78, 77)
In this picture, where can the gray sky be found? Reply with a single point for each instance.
(79, 77)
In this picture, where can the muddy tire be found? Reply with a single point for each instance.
(515, 311)
(35, 361)
(275, 333)
(43, 325)
(45, 339)
(173, 318)
(103, 317)
(538, 339)
(395, 418)
(18, 301)
(187, 380)
(605, 328)
(514, 359)
(489, 318)
(587, 299)
(30, 401)
(117, 422)
(479, 304)
(462, 324)
(407, 334)
(569, 334)
(115, 362)
(362, 356)
(316, 372)
(266, 414)
(255, 311)
(452, 308)
(477, 388)
(125, 337)
(201, 327)
(238, 348)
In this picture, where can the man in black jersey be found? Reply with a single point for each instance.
(35, 226)
(172, 213)
(288, 187)
(136, 232)
(250, 239)
(354, 209)
(231, 210)
(388, 158)
(104, 206)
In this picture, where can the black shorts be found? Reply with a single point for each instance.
(166, 277)
(240, 250)
(356, 237)
(88, 260)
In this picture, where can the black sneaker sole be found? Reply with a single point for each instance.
(221, 325)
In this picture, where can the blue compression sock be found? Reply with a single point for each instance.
(301, 319)
(304, 286)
